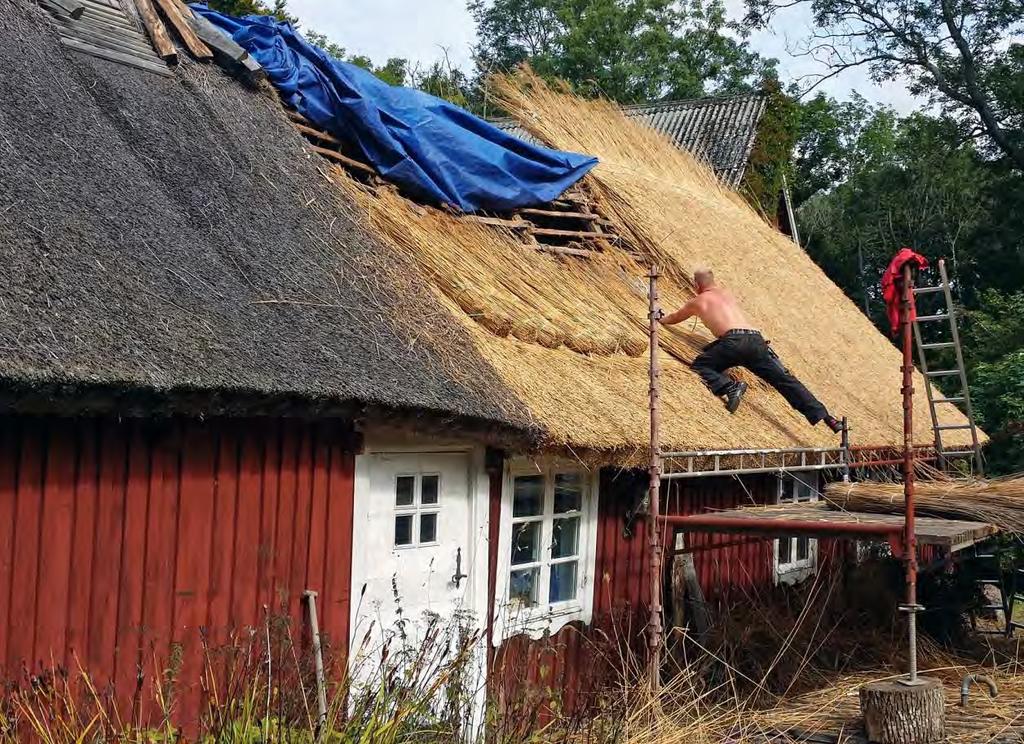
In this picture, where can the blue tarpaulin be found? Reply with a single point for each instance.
(430, 147)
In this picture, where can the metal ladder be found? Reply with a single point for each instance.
(936, 398)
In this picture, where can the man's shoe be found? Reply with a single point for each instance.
(734, 396)
(834, 424)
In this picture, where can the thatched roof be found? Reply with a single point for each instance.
(165, 237)
(567, 333)
(172, 237)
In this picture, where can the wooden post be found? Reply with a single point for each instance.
(896, 713)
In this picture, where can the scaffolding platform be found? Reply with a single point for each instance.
(817, 519)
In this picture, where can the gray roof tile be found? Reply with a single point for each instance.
(719, 131)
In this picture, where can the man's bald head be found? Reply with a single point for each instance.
(704, 278)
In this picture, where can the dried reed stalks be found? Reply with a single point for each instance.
(998, 501)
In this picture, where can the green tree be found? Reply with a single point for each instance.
(627, 50)
(994, 340)
(277, 8)
(950, 50)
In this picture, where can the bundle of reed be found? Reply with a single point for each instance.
(998, 501)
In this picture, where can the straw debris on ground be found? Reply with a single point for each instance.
(568, 334)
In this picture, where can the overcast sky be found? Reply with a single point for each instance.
(423, 30)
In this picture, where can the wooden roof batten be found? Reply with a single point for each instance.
(566, 226)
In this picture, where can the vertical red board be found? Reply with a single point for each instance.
(225, 524)
(128, 647)
(161, 556)
(9, 456)
(82, 546)
(283, 541)
(300, 539)
(318, 515)
(55, 533)
(248, 534)
(337, 605)
(270, 486)
(192, 573)
(25, 565)
(107, 554)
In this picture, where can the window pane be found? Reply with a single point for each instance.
(525, 543)
(568, 492)
(565, 535)
(404, 490)
(523, 586)
(428, 527)
(804, 492)
(528, 496)
(563, 582)
(785, 550)
(403, 529)
(429, 488)
(803, 548)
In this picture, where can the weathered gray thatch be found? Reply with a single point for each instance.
(169, 237)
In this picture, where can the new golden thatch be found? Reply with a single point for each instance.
(567, 334)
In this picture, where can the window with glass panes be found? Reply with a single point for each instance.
(547, 516)
(796, 554)
(417, 504)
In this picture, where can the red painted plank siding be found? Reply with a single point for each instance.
(578, 660)
(117, 538)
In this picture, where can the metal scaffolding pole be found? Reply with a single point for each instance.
(909, 537)
(654, 630)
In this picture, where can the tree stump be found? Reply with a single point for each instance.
(895, 713)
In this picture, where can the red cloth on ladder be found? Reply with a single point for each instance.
(891, 281)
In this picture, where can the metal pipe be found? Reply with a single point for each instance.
(727, 452)
(909, 536)
(318, 659)
(965, 686)
(872, 463)
(845, 447)
(773, 526)
(654, 488)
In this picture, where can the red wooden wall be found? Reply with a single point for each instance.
(121, 538)
(577, 660)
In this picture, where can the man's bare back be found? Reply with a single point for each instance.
(717, 309)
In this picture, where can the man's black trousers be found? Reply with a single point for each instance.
(743, 348)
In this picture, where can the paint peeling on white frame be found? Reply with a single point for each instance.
(511, 619)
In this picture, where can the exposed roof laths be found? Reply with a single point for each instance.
(719, 131)
(106, 30)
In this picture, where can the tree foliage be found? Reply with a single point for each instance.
(956, 52)
(878, 182)
(627, 50)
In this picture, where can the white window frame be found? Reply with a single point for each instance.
(416, 510)
(790, 486)
(545, 617)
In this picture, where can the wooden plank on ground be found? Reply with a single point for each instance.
(177, 14)
(157, 31)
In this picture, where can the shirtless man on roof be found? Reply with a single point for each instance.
(738, 344)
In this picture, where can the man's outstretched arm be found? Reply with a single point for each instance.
(685, 312)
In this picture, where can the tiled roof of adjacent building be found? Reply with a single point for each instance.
(719, 131)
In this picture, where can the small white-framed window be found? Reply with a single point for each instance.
(417, 509)
(796, 558)
(548, 545)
